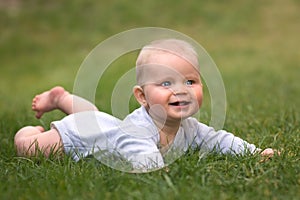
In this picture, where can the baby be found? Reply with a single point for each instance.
(169, 90)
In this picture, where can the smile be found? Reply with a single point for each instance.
(179, 103)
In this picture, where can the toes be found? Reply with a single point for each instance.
(33, 106)
(34, 102)
(36, 98)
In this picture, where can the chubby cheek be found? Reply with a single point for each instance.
(198, 96)
(150, 97)
(156, 96)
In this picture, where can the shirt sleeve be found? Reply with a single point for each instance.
(208, 139)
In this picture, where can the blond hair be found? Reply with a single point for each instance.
(176, 47)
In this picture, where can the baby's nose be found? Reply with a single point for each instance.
(178, 89)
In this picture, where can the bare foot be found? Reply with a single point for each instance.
(47, 101)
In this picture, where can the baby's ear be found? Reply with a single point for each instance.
(139, 95)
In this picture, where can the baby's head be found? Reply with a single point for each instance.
(149, 53)
(168, 80)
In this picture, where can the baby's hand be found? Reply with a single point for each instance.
(268, 153)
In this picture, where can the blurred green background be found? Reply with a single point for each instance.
(42, 43)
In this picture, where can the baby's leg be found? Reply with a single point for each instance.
(30, 140)
(59, 98)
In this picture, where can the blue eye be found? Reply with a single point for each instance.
(189, 82)
(166, 83)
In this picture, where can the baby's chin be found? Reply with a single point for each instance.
(190, 113)
(181, 117)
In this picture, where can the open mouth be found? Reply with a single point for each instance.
(179, 103)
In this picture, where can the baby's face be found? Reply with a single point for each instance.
(172, 88)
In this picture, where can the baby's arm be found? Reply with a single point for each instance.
(226, 142)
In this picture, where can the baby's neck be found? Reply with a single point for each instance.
(167, 133)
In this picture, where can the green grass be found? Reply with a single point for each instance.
(255, 45)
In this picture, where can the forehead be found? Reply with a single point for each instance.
(162, 66)
(153, 64)
(169, 58)
(167, 62)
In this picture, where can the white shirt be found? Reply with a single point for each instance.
(132, 144)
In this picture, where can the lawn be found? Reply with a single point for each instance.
(255, 45)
